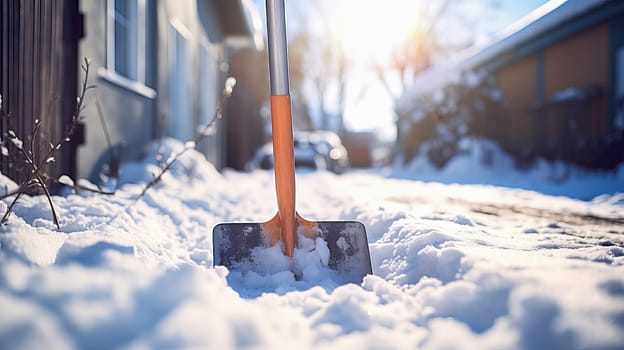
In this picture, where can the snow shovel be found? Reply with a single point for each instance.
(342, 245)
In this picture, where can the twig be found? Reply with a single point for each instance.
(37, 175)
(103, 122)
(78, 187)
(55, 216)
(205, 131)
(20, 192)
(115, 158)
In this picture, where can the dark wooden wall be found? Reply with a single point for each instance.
(39, 73)
(245, 126)
(540, 124)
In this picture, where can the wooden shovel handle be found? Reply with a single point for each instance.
(283, 152)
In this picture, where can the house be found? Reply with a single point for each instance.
(159, 68)
(366, 149)
(247, 110)
(561, 73)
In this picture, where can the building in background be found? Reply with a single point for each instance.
(245, 118)
(159, 67)
(366, 149)
(561, 73)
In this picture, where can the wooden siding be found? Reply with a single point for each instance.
(519, 86)
(538, 122)
(38, 74)
(581, 62)
(245, 125)
(566, 127)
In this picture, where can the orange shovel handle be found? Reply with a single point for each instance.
(283, 151)
(286, 220)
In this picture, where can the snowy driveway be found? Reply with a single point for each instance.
(455, 266)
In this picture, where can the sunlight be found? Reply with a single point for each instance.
(369, 30)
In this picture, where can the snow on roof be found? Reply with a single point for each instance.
(544, 18)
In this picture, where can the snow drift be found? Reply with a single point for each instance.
(480, 161)
(455, 266)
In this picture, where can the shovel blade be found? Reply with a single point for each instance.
(234, 244)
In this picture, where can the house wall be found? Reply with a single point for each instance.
(519, 86)
(616, 99)
(245, 125)
(129, 113)
(539, 123)
(135, 114)
(562, 82)
(578, 61)
(582, 61)
(198, 23)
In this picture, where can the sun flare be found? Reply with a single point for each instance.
(369, 30)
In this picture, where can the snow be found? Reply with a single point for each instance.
(483, 162)
(455, 266)
(568, 94)
(308, 267)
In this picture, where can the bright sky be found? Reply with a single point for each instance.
(370, 32)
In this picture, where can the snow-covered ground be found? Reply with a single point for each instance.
(480, 161)
(455, 266)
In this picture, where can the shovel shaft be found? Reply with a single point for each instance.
(278, 48)
(281, 121)
(284, 169)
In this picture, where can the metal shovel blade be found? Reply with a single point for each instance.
(235, 245)
(341, 246)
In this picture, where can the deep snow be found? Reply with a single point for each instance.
(455, 266)
(481, 161)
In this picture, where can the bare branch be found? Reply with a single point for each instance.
(55, 216)
(227, 92)
(33, 160)
(115, 160)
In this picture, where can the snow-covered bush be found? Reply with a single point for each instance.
(437, 121)
(567, 126)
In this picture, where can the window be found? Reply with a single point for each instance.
(180, 98)
(126, 39)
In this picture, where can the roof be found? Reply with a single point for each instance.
(241, 23)
(541, 20)
(546, 18)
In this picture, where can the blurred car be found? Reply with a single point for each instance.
(329, 145)
(318, 150)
